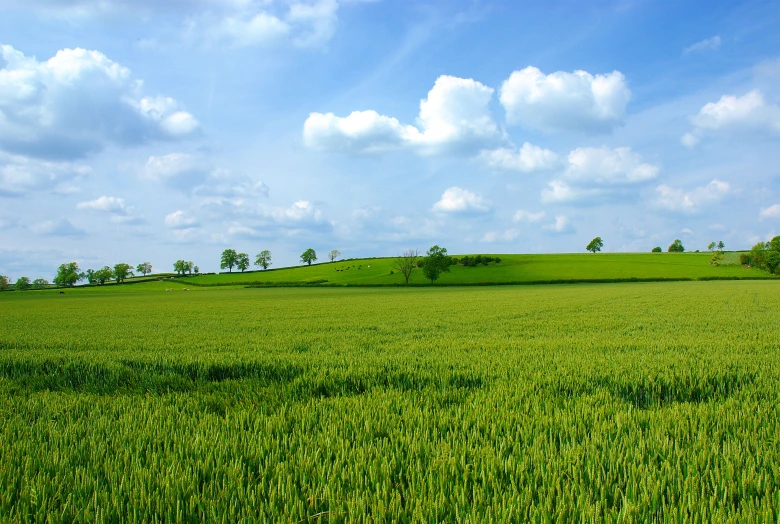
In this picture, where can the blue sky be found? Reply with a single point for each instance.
(141, 130)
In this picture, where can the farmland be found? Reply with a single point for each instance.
(512, 268)
(580, 402)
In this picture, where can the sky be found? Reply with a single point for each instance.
(140, 130)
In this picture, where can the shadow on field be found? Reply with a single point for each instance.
(663, 390)
(294, 382)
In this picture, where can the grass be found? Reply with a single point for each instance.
(513, 268)
(628, 402)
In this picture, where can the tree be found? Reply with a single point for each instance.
(40, 283)
(595, 245)
(68, 274)
(435, 263)
(676, 246)
(22, 283)
(144, 268)
(721, 245)
(121, 272)
(772, 261)
(181, 266)
(333, 255)
(90, 276)
(189, 266)
(711, 246)
(263, 259)
(309, 256)
(242, 261)
(102, 276)
(229, 259)
(197, 270)
(406, 262)
(657, 249)
(3, 282)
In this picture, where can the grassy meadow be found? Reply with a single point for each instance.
(512, 268)
(623, 402)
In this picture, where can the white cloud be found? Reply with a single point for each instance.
(301, 211)
(686, 231)
(561, 225)
(180, 220)
(461, 201)
(260, 29)
(498, 236)
(564, 101)
(771, 212)
(692, 201)
(106, 204)
(455, 115)
(527, 216)
(77, 103)
(605, 166)
(558, 191)
(20, 175)
(58, 228)
(708, 44)
(732, 115)
(528, 159)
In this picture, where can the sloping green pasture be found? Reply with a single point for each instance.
(628, 402)
(512, 268)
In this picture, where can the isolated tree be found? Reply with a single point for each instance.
(3, 282)
(333, 255)
(676, 246)
(40, 283)
(103, 275)
(122, 271)
(68, 274)
(229, 259)
(435, 263)
(711, 246)
(721, 245)
(657, 249)
(242, 261)
(196, 269)
(144, 268)
(309, 256)
(595, 245)
(263, 259)
(406, 262)
(22, 284)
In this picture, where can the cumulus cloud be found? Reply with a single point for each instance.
(731, 114)
(708, 44)
(564, 101)
(106, 204)
(455, 200)
(771, 212)
(58, 228)
(596, 173)
(455, 114)
(181, 220)
(77, 103)
(527, 216)
(500, 236)
(20, 175)
(605, 166)
(561, 225)
(528, 159)
(677, 199)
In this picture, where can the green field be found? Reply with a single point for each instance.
(512, 268)
(623, 402)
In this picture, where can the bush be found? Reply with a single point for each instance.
(657, 249)
(744, 259)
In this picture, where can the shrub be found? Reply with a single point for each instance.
(657, 249)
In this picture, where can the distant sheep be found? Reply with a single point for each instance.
(168, 289)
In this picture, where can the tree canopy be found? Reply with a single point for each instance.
(406, 262)
(144, 268)
(68, 274)
(333, 255)
(435, 263)
(676, 246)
(309, 256)
(263, 259)
(595, 245)
(229, 260)
(242, 262)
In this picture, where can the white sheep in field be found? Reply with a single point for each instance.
(169, 289)
(185, 289)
